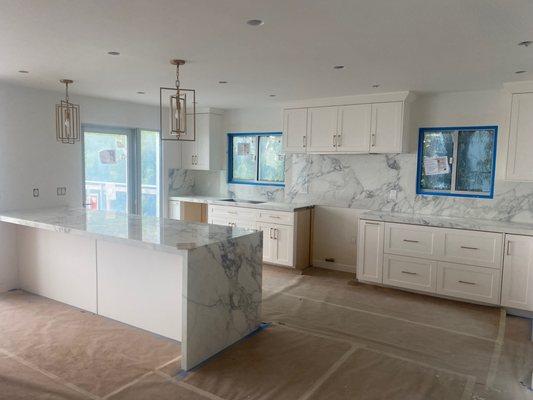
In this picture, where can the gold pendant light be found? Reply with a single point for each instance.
(182, 102)
(67, 118)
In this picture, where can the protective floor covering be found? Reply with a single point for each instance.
(328, 338)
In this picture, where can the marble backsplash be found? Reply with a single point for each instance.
(362, 182)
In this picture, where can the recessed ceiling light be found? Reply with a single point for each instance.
(338, 66)
(23, 71)
(520, 72)
(525, 43)
(375, 86)
(113, 53)
(271, 95)
(255, 22)
(141, 92)
(222, 82)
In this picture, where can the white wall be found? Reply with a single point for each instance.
(30, 156)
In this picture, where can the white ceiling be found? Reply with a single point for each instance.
(421, 45)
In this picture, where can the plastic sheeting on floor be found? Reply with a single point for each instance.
(329, 339)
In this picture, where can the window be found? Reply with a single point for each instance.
(256, 158)
(457, 161)
(122, 169)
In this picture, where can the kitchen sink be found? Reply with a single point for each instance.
(243, 201)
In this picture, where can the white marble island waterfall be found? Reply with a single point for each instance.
(196, 283)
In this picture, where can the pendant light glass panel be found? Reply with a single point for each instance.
(178, 114)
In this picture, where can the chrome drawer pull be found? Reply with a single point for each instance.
(469, 248)
(275, 216)
(371, 223)
(411, 241)
(409, 273)
(467, 283)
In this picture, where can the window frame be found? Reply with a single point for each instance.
(453, 192)
(255, 182)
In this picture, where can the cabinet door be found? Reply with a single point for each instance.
(519, 160)
(268, 242)
(387, 127)
(370, 251)
(188, 154)
(218, 220)
(517, 286)
(283, 242)
(322, 129)
(354, 128)
(295, 130)
(174, 209)
(203, 137)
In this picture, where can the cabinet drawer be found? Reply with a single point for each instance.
(277, 217)
(410, 273)
(233, 212)
(469, 282)
(411, 240)
(475, 248)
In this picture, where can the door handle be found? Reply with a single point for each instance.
(469, 248)
(508, 252)
(270, 229)
(276, 233)
(304, 140)
(334, 142)
(411, 241)
(467, 283)
(339, 140)
(409, 273)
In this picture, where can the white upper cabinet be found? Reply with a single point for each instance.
(295, 130)
(322, 129)
(387, 128)
(366, 127)
(204, 152)
(354, 124)
(519, 160)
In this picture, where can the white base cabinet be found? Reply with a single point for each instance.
(517, 286)
(457, 263)
(286, 235)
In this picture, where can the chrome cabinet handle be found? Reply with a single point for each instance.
(339, 140)
(469, 248)
(371, 223)
(508, 248)
(270, 229)
(275, 216)
(373, 139)
(276, 233)
(467, 283)
(411, 241)
(304, 140)
(334, 141)
(409, 273)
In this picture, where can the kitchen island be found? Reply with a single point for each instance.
(196, 283)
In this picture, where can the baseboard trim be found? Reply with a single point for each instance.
(334, 266)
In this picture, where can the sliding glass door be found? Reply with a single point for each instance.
(121, 170)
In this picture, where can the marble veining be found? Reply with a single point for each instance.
(364, 181)
(149, 232)
(223, 295)
(451, 222)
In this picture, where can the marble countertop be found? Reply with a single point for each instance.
(451, 222)
(269, 205)
(151, 232)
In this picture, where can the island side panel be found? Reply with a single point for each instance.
(140, 287)
(222, 296)
(58, 265)
(8, 257)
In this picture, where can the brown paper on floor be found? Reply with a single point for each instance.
(276, 363)
(372, 376)
(95, 353)
(340, 288)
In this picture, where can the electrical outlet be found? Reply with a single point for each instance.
(61, 190)
(58, 191)
(35, 192)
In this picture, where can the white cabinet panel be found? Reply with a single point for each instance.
(322, 129)
(410, 273)
(269, 250)
(174, 209)
(387, 128)
(354, 128)
(469, 282)
(517, 285)
(284, 241)
(411, 240)
(295, 130)
(519, 160)
(203, 152)
(370, 251)
(471, 247)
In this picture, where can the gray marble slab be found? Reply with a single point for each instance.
(451, 222)
(149, 232)
(268, 205)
